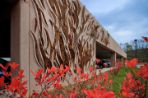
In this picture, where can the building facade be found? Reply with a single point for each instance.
(47, 33)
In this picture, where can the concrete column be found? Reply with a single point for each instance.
(114, 59)
(20, 37)
(123, 61)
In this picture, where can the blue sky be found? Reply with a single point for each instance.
(125, 20)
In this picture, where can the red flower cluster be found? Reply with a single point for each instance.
(89, 85)
(17, 87)
(49, 78)
(131, 63)
(99, 92)
(132, 88)
(143, 72)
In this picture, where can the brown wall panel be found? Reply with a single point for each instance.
(63, 32)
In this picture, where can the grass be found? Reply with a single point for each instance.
(118, 78)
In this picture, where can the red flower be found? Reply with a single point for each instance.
(109, 94)
(127, 94)
(129, 75)
(45, 93)
(15, 83)
(21, 74)
(98, 92)
(34, 94)
(52, 70)
(111, 81)
(67, 69)
(17, 86)
(143, 72)
(57, 86)
(84, 76)
(1, 81)
(61, 96)
(106, 76)
(39, 73)
(13, 65)
(73, 95)
(49, 96)
(78, 70)
(24, 92)
(132, 88)
(132, 63)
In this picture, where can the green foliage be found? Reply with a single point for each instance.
(118, 79)
(142, 54)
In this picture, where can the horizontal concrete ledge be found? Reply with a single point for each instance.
(113, 46)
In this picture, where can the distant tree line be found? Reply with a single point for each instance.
(134, 45)
(137, 48)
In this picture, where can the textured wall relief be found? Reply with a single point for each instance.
(103, 36)
(63, 33)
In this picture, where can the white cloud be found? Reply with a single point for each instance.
(127, 33)
(122, 35)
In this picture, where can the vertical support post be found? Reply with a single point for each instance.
(20, 37)
(123, 61)
(114, 59)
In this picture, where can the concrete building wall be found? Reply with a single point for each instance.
(53, 32)
(62, 32)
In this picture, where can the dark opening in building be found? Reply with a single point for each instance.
(5, 26)
(5, 8)
(103, 52)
